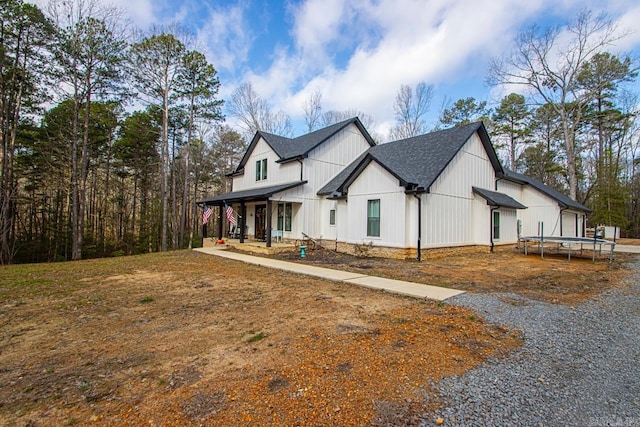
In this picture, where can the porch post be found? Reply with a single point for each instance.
(221, 209)
(268, 223)
(243, 221)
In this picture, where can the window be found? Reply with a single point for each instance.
(261, 169)
(280, 216)
(287, 217)
(284, 216)
(496, 225)
(332, 217)
(373, 218)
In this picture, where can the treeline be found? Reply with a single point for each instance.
(109, 135)
(81, 176)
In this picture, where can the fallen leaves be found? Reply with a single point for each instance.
(222, 343)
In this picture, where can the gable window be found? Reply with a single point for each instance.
(332, 217)
(284, 216)
(261, 169)
(373, 218)
(496, 225)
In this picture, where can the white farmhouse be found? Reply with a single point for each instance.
(442, 189)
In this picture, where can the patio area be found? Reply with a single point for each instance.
(252, 246)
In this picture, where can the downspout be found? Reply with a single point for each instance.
(301, 165)
(419, 258)
(496, 183)
(561, 211)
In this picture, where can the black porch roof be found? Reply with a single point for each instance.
(251, 195)
(494, 198)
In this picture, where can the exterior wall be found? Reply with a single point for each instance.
(321, 165)
(572, 223)
(451, 215)
(508, 226)
(331, 157)
(277, 173)
(326, 230)
(376, 183)
(481, 221)
(540, 209)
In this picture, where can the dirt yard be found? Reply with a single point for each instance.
(184, 338)
(553, 279)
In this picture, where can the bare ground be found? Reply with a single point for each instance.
(553, 279)
(189, 339)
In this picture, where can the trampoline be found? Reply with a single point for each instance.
(569, 244)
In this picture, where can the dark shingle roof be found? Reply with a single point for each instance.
(494, 198)
(293, 148)
(563, 200)
(250, 195)
(416, 162)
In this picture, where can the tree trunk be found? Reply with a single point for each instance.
(164, 176)
(76, 240)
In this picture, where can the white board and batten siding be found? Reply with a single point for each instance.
(375, 183)
(277, 173)
(540, 209)
(508, 226)
(321, 165)
(452, 217)
(572, 223)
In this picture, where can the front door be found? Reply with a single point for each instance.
(261, 216)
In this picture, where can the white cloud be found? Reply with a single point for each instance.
(317, 23)
(413, 42)
(227, 37)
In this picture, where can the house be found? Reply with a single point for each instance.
(560, 215)
(441, 189)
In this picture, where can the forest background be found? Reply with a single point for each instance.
(110, 134)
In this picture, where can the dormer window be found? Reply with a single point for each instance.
(261, 170)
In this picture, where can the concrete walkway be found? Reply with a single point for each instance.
(627, 249)
(412, 289)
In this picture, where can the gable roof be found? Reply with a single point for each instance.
(288, 149)
(417, 162)
(564, 201)
(495, 198)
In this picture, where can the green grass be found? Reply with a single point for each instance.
(258, 337)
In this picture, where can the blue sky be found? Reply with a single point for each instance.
(357, 53)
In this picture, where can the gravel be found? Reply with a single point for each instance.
(579, 366)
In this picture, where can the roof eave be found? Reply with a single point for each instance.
(292, 159)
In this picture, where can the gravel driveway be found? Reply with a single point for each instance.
(579, 366)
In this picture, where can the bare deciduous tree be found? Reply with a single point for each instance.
(410, 108)
(312, 107)
(255, 113)
(548, 63)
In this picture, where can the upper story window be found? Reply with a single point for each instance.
(261, 169)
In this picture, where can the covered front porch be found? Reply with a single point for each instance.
(252, 211)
